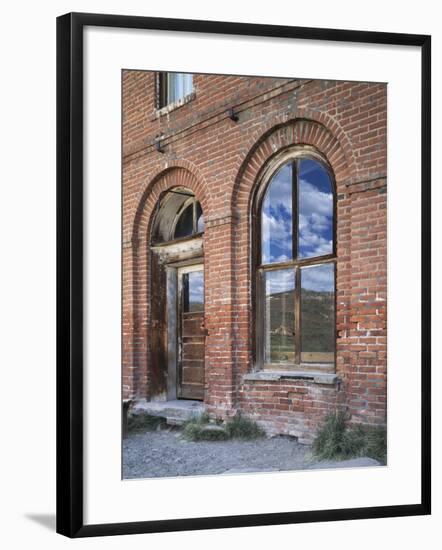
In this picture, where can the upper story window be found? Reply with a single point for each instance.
(296, 266)
(174, 87)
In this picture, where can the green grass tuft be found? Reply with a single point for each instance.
(337, 441)
(199, 429)
(201, 432)
(196, 429)
(197, 420)
(366, 441)
(328, 440)
(241, 427)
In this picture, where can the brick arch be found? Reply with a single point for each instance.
(322, 132)
(136, 271)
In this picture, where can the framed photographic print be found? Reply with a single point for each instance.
(238, 207)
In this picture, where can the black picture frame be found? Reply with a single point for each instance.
(70, 273)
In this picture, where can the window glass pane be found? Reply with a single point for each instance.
(276, 218)
(178, 86)
(193, 291)
(171, 77)
(279, 316)
(172, 87)
(199, 218)
(315, 236)
(184, 226)
(187, 84)
(318, 313)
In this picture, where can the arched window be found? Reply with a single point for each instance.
(296, 266)
(179, 216)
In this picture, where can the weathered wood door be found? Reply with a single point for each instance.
(192, 332)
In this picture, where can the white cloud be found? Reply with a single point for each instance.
(315, 220)
(313, 244)
(281, 280)
(319, 278)
(314, 201)
(282, 258)
(276, 234)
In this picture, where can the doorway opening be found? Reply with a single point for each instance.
(191, 332)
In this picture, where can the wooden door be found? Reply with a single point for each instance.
(191, 338)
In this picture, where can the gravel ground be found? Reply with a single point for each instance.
(165, 454)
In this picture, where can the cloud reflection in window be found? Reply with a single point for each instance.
(315, 237)
(277, 218)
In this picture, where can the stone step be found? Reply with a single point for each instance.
(175, 412)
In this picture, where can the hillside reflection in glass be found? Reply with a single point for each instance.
(279, 316)
(318, 313)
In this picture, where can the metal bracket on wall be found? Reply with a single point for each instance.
(232, 115)
(158, 146)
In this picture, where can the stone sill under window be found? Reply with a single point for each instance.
(311, 376)
(175, 105)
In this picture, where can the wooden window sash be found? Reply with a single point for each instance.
(296, 264)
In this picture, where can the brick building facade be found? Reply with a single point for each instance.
(204, 162)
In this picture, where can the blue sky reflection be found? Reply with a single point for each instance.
(276, 218)
(195, 289)
(315, 210)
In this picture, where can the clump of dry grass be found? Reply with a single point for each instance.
(337, 441)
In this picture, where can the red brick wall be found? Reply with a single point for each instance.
(292, 407)
(220, 161)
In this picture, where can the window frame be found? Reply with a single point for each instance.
(293, 155)
(163, 91)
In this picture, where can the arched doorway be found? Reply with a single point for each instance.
(177, 297)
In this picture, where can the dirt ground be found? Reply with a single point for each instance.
(164, 453)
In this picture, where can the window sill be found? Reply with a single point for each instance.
(315, 377)
(175, 105)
